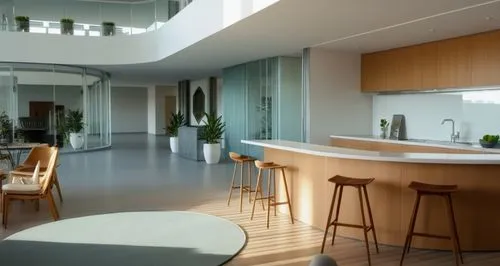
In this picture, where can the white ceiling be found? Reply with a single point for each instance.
(291, 25)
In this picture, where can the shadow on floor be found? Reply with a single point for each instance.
(21, 253)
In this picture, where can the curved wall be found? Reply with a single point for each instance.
(194, 23)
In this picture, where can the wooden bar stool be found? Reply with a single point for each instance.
(271, 198)
(241, 160)
(444, 191)
(360, 185)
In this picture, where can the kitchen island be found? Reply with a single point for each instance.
(476, 204)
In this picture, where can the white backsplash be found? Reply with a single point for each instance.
(475, 113)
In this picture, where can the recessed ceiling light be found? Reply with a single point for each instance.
(431, 30)
(487, 18)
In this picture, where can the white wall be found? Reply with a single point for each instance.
(336, 103)
(151, 113)
(161, 93)
(204, 84)
(199, 20)
(474, 114)
(69, 96)
(129, 110)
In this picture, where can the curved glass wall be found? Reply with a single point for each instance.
(41, 101)
(128, 17)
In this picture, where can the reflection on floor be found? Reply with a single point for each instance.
(140, 174)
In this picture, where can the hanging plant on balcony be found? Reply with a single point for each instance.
(23, 23)
(108, 28)
(67, 26)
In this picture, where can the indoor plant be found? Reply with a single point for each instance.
(74, 126)
(384, 125)
(108, 28)
(23, 23)
(5, 127)
(489, 141)
(176, 122)
(212, 133)
(67, 26)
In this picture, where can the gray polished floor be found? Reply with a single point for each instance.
(139, 173)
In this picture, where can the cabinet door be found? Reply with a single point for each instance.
(372, 72)
(428, 65)
(454, 68)
(485, 59)
(402, 72)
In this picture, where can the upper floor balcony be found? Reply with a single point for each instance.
(88, 17)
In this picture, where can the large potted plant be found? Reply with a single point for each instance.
(108, 28)
(212, 133)
(23, 23)
(67, 26)
(176, 122)
(5, 128)
(74, 126)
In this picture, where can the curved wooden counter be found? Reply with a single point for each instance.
(476, 204)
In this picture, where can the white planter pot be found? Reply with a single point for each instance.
(76, 140)
(211, 153)
(174, 144)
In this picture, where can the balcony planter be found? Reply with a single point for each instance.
(23, 23)
(67, 26)
(108, 28)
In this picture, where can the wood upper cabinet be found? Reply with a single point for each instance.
(485, 59)
(454, 63)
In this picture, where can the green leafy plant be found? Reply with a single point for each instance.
(213, 129)
(67, 26)
(491, 138)
(23, 23)
(384, 124)
(74, 121)
(176, 122)
(5, 125)
(108, 28)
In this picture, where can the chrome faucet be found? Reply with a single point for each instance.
(454, 135)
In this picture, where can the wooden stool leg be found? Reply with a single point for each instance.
(289, 202)
(241, 188)
(453, 231)
(411, 227)
(6, 210)
(365, 233)
(337, 214)
(232, 185)
(328, 222)
(370, 216)
(249, 182)
(257, 188)
(274, 191)
(268, 195)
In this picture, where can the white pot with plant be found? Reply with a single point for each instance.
(384, 125)
(212, 133)
(74, 126)
(176, 122)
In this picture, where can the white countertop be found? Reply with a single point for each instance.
(335, 152)
(429, 143)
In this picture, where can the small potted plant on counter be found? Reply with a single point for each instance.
(108, 28)
(212, 133)
(67, 26)
(23, 23)
(384, 125)
(489, 141)
(176, 122)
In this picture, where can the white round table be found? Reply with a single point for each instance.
(126, 239)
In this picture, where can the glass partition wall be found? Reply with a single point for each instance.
(64, 105)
